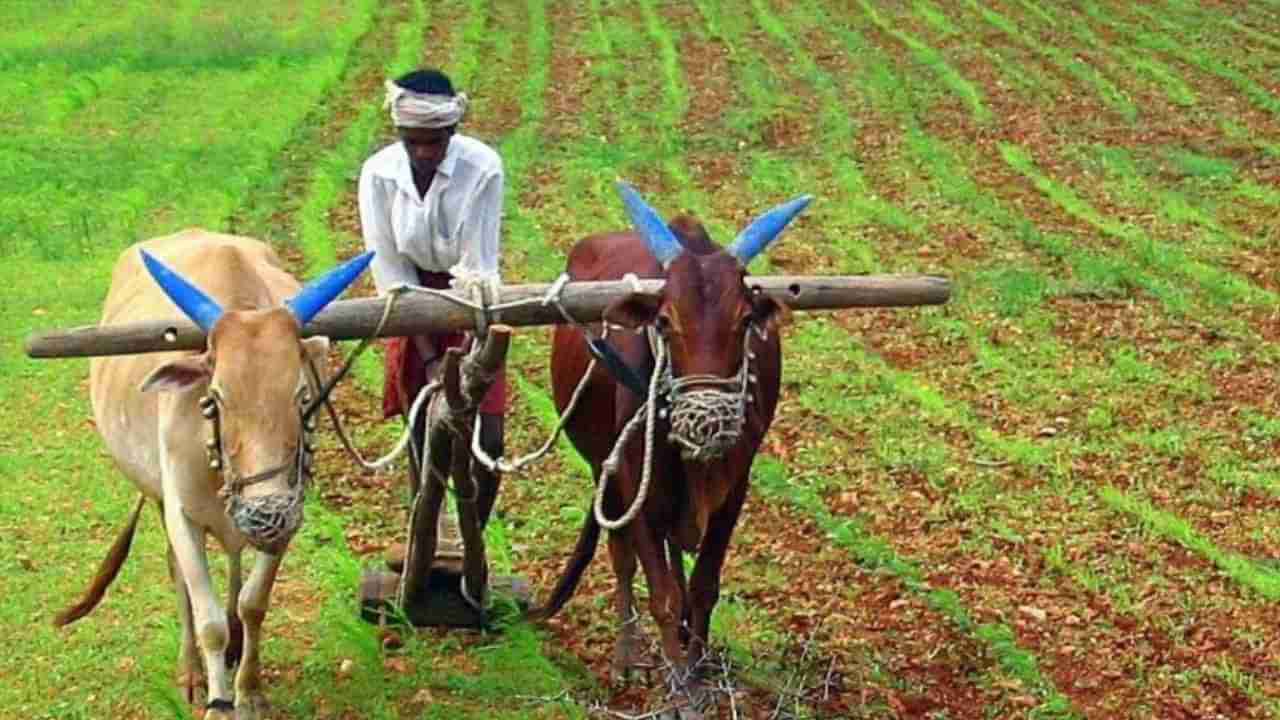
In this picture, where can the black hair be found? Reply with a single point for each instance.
(428, 81)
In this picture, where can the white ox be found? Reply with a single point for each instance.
(221, 447)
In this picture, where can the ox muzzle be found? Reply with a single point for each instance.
(707, 413)
(267, 520)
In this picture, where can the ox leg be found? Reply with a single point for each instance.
(676, 559)
(664, 594)
(666, 606)
(190, 675)
(704, 585)
(211, 630)
(631, 647)
(252, 604)
(235, 639)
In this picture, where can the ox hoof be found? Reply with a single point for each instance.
(251, 706)
(694, 698)
(212, 714)
(192, 687)
(683, 713)
(394, 557)
(629, 653)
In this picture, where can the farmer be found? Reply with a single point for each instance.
(431, 207)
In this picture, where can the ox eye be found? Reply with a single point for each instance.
(662, 323)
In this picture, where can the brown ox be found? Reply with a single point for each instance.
(712, 323)
(222, 448)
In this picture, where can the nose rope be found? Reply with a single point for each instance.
(268, 521)
(707, 421)
(648, 414)
(691, 413)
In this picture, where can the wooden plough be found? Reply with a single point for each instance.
(444, 575)
(443, 558)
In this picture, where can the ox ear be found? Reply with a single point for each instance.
(633, 311)
(316, 349)
(178, 376)
(768, 312)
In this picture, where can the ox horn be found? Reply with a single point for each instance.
(755, 237)
(311, 299)
(203, 310)
(662, 242)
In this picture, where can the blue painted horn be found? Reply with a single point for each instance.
(311, 299)
(662, 242)
(755, 237)
(204, 311)
(191, 300)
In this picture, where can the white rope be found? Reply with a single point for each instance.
(423, 395)
(481, 309)
(610, 465)
(501, 464)
(552, 297)
(634, 280)
(463, 590)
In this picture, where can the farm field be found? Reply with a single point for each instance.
(1057, 496)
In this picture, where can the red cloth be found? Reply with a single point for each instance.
(405, 374)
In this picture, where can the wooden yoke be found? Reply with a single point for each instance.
(416, 314)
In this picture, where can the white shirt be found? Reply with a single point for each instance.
(453, 229)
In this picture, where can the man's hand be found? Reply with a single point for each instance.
(465, 281)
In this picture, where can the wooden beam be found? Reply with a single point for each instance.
(416, 313)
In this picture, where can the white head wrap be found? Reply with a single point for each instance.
(420, 110)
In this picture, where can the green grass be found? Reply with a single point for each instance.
(1140, 63)
(1085, 73)
(63, 499)
(773, 480)
(198, 165)
(1195, 54)
(1221, 286)
(1261, 579)
(953, 80)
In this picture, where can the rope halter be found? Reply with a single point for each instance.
(707, 412)
(268, 521)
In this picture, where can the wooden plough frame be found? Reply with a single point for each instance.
(441, 557)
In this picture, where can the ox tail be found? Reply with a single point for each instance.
(568, 582)
(107, 571)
